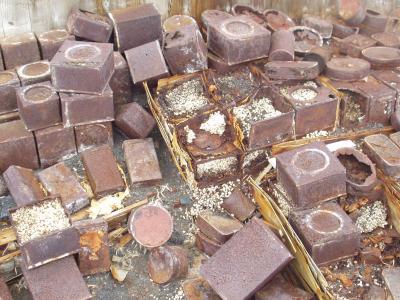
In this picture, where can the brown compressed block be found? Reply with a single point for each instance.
(321, 55)
(282, 46)
(216, 63)
(254, 253)
(55, 144)
(266, 132)
(59, 280)
(219, 228)
(35, 72)
(167, 263)
(151, 225)
(292, 70)
(93, 135)
(39, 105)
(381, 99)
(342, 31)
(382, 57)
(206, 245)
(277, 20)
(134, 121)
(395, 137)
(354, 44)
(146, 62)
(353, 12)
(9, 81)
(135, 26)
(121, 81)
(82, 67)
(60, 180)
(327, 232)
(374, 22)
(198, 289)
(391, 278)
(311, 174)
(238, 39)
(23, 185)
(306, 38)
(389, 77)
(280, 288)
(89, 26)
(19, 49)
(4, 291)
(315, 108)
(17, 146)
(347, 68)
(102, 171)
(44, 241)
(142, 162)
(176, 22)
(212, 16)
(384, 153)
(51, 41)
(387, 39)
(239, 205)
(95, 255)
(82, 109)
(250, 11)
(324, 27)
(185, 50)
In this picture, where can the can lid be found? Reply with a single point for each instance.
(151, 225)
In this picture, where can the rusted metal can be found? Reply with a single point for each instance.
(167, 263)
(150, 225)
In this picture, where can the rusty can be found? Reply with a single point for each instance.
(167, 263)
(151, 225)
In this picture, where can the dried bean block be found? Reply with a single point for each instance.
(55, 144)
(254, 253)
(81, 109)
(9, 81)
(93, 135)
(59, 280)
(327, 232)
(102, 171)
(60, 180)
(17, 146)
(34, 72)
(135, 26)
(51, 41)
(89, 26)
(311, 174)
(142, 162)
(82, 67)
(19, 49)
(39, 106)
(23, 185)
(134, 121)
